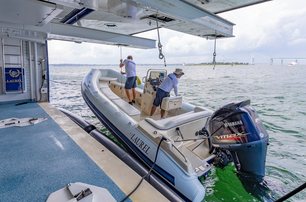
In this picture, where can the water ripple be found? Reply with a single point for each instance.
(278, 100)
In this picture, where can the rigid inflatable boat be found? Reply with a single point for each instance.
(185, 144)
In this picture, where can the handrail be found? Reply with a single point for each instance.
(149, 70)
(179, 152)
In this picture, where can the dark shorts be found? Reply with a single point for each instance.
(130, 82)
(160, 95)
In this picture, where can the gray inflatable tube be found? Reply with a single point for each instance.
(154, 180)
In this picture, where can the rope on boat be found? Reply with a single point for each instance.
(149, 172)
(295, 191)
(194, 139)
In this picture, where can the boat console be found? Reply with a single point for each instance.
(153, 79)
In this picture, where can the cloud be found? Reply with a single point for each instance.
(272, 29)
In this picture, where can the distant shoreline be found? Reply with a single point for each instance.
(222, 63)
(180, 64)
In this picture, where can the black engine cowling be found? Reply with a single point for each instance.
(236, 128)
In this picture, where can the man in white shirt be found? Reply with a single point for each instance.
(169, 83)
(130, 69)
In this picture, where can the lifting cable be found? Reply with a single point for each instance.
(215, 54)
(121, 72)
(120, 52)
(160, 46)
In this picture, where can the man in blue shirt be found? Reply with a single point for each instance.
(169, 83)
(130, 69)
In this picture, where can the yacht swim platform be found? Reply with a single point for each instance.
(39, 159)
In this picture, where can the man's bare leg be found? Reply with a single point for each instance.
(127, 91)
(134, 94)
(152, 110)
(162, 113)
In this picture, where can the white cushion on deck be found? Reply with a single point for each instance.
(108, 79)
(175, 121)
(109, 93)
(170, 103)
(126, 107)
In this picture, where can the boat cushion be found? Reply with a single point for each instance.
(107, 79)
(170, 103)
(126, 107)
(109, 93)
(175, 121)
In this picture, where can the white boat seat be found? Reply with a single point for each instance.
(119, 84)
(170, 103)
(175, 121)
(107, 79)
(126, 107)
(109, 93)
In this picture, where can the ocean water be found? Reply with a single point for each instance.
(277, 92)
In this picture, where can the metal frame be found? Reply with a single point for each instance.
(73, 33)
(2, 68)
(20, 64)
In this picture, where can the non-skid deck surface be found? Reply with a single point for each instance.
(126, 107)
(109, 93)
(40, 159)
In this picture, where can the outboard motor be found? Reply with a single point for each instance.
(236, 132)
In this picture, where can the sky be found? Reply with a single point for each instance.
(269, 30)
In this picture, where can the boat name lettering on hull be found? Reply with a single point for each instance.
(140, 143)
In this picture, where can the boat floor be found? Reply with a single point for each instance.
(39, 159)
(197, 151)
(189, 148)
(134, 111)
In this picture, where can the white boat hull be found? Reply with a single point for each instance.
(126, 129)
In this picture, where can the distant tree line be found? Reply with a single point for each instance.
(223, 63)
